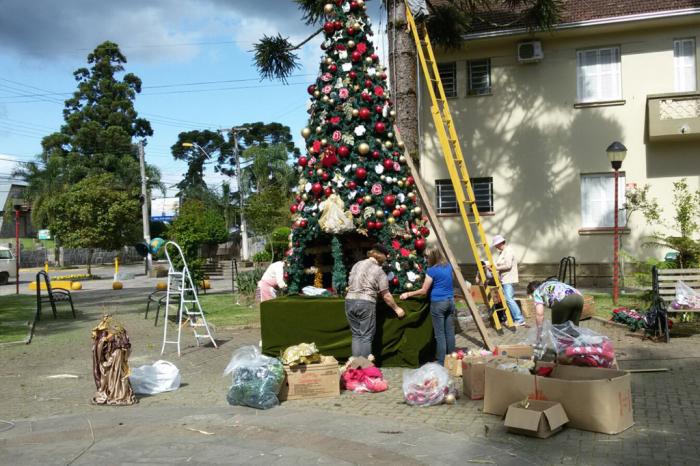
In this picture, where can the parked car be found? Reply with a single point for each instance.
(8, 266)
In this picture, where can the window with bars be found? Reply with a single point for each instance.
(448, 76)
(598, 76)
(446, 200)
(479, 74)
(684, 65)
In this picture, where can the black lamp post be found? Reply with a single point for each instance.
(616, 154)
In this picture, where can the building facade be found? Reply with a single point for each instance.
(535, 113)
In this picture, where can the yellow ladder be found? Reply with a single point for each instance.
(457, 168)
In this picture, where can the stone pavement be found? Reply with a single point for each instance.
(54, 421)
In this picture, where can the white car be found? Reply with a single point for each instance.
(8, 266)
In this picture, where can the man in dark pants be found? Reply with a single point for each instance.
(367, 280)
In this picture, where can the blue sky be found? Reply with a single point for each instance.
(174, 46)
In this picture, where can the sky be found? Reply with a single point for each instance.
(193, 56)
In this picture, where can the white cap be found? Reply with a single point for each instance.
(498, 239)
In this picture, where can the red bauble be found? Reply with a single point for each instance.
(419, 244)
(311, 89)
(395, 281)
(396, 213)
(293, 208)
(360, 201)
(302, 161)
(328, 191)
(383, 76)
(333, 68)
(286, 276)
(374, 57)
(364, 113)
(352, 185)
(395, 154)
(298, 198)
(354, 5)
(376, 154)
(303, 222)
(410, 181)
(368, 83)
(344, 151)
(389, 200)
(310, 173)
(350, 31)
(378, 109)
(379, 127)
(356, 56)
(366, 96)
(378, 225)
(352, 75)
(329, 27)
(388, 164)
(424, 231)
(316, 188)
(403, 209)
(325, 176)
(370, 225)
(338, 24)
(360, 173)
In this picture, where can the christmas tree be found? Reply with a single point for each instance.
(354, 186)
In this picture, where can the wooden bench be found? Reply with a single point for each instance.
(664, 283)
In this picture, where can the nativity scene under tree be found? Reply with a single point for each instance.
(355, 188)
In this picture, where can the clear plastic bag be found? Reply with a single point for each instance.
(580, 346)
(686, 297)
(542, 341)
(161, 376)
(426, 386)
(256, 379)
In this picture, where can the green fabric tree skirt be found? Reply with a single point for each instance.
(292, 320)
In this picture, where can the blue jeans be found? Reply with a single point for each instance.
(443, 313)
(515, 313)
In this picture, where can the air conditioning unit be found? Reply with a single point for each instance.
(530, 51)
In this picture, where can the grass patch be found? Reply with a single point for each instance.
(221, 310)
(604, 305)
(15, 312)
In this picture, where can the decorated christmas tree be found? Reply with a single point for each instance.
(354, 187)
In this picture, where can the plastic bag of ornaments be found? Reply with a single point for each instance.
(428, 385)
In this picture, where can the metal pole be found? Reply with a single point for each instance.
(144, 206)
(244, 230)
(616, 247)
(17, 249)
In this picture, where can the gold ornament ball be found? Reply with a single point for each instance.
(383, 178)
(367, 199)
(329, 61)
(388, 144)
(417, 211)
(319, 129)
(319, 172)
(449, 398)
(355, 112)
(402, 159)
(325, 99)
(409, 286)
(363, 148)
(368, 60)
(360, 3)
(390, 135)
(390, 220)
(317, 93)
(351, 44)
(357, 26)
(399, 184)
(305, 133)
(392, 113)
(401, 145)
(328, 8)
(324, 142)
(331, 101)
(356, 87)
(380, 214)
(377, 140)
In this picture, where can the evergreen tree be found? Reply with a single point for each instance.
(354, 178)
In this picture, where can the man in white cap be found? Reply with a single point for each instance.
(507, 266)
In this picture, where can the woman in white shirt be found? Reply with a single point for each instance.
(271, 281)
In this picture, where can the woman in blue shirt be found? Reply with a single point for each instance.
(438, 282)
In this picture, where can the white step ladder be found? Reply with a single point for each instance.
(189, 309)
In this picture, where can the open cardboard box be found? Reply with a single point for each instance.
(320, 380)
(535, 418)
(474, 375)
(599, 400)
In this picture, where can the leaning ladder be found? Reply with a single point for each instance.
(457, 167)
(189, 309)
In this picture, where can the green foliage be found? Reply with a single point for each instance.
(203, 145)
(195, 225)
(687, 205)
(267, 168)
(275, 58)
(263, 256)
(247, 281)
(267, 210)
(280, 241)
(340, 274)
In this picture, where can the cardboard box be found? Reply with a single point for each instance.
(321, 380)
(515, 351)
(599, 400)
(537, 418)
(527, 306)
(473, 375)
(453, 366)
(588, 307)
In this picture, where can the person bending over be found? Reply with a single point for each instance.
(565, 301)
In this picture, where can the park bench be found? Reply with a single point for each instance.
(664, 287)
(53, 295)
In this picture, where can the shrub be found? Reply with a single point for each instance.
(247, 281)
(262, 256)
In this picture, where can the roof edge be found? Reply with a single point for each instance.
(587, 23)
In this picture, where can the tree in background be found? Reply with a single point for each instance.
(268, 166)
(97, 212)
(196, 147)
(447, 21)
(266, 211)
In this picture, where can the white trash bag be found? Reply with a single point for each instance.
(686, 297)
(161, 376)
(427, 385)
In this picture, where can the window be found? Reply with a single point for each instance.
(448, 76)
(5, 254)
(598, 74)
(479, 72)
(447, 200)
(598, 200)
(684, 65)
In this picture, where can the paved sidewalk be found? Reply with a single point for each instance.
(52, 415)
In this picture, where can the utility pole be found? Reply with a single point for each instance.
(244, 229)
(144, 207)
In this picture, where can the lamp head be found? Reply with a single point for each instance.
(616, 154)
(187, 144)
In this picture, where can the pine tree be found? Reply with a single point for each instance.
(353, 159)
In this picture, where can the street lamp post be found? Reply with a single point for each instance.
(616, 154)
(18, 205)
